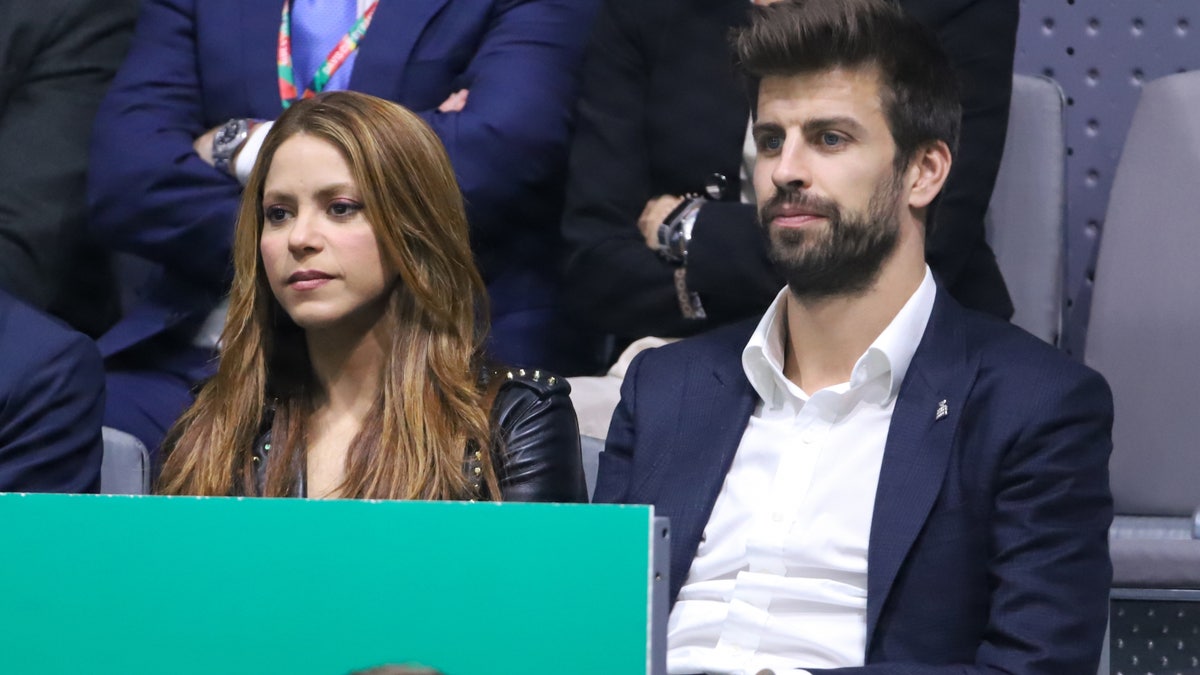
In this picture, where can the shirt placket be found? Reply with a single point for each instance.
(766, 550)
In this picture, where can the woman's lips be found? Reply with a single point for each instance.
(307, 280)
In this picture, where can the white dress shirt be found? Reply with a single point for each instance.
(779, 581)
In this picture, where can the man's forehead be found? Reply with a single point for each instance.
(842, 87)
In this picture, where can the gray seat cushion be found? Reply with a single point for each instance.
(591, 447)
(125, 469)
(1025, 218)
(1145, 319)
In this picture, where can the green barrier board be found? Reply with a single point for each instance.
(176, 586)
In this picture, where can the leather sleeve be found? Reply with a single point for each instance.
(540, 459)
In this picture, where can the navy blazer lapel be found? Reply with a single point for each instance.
(918, 447)
(388, 44)
(712, 406)
(259, 39)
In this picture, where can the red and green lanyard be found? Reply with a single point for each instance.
(288, 93)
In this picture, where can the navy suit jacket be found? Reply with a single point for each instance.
(51, 404)
(988, 547)
(193, 65)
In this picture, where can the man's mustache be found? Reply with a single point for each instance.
(797, 198)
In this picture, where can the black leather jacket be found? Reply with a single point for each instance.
(539, 460)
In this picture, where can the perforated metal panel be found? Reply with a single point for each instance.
(1155, 638)
(1100, 52)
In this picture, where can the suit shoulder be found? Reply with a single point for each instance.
(30, 333)
(1013, 354)
(715, 344)
(33, 343)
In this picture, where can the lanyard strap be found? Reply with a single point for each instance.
(345, 47)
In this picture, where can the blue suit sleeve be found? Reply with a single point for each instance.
(51, 415)
(149, 193)
(511, 138)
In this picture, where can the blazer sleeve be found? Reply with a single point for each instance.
(615, 468)
(510, 140)
(51, 410)
(615, 282)
(540, 459)
(149, 193)
(1050, 571)
(65, 56)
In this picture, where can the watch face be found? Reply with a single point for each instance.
(229, 135)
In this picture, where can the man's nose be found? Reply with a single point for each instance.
(792, 168)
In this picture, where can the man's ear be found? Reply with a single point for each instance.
(927, 173)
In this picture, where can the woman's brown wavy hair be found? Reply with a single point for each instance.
(431, 409)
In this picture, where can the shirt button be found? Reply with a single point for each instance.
(777, 517)
(807, 437)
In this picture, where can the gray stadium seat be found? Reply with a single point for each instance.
(1143, 335)
(125, 469)
(1026, 216)
(591, 448)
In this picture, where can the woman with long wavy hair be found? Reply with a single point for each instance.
(352, 356)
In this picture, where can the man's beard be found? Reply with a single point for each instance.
(845, 257)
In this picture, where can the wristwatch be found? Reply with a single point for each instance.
(229, 138)
(675, 233)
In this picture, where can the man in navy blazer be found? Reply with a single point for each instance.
(871, 478)
(496, 79)
(51, 401)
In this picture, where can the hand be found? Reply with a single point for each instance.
(455, 102)
(656, 211)
(204, 145)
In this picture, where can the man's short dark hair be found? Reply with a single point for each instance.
(919, 86)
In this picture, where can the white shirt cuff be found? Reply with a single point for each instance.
(249, 152)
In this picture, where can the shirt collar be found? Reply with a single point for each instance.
(888, 356)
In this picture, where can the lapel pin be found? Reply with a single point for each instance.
(942, 410)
